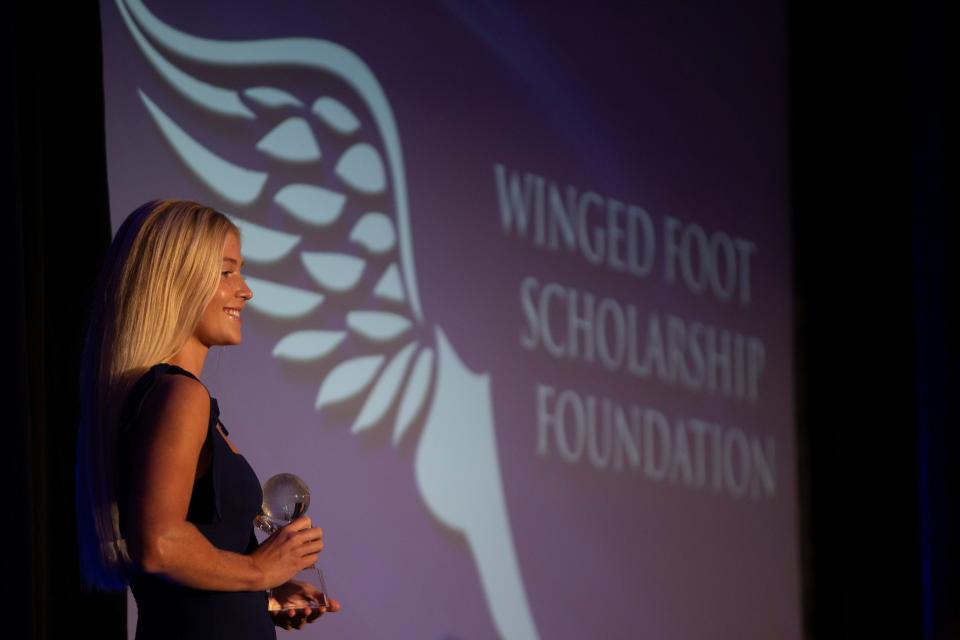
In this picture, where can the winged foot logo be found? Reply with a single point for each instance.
(321, 201)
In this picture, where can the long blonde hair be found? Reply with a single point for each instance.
(160, 273)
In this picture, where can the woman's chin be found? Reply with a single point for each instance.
(232, 340)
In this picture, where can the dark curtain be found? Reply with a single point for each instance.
(933, 102)
(55, 233)
(873, 289)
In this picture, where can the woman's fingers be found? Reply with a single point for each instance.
(303, 522)
(307, 537)
(309, 542)
(292, 549)
(298, 617)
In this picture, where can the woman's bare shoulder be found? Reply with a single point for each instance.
(176, 402)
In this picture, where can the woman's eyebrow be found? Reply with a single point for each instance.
(233, 260)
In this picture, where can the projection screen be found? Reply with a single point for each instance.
(522, 310)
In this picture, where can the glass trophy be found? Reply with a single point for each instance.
(286, 498)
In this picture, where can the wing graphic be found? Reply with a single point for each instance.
(309, 166)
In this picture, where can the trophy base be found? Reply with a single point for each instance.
(291, 596)
(323, 601)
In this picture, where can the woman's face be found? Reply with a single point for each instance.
(220, 323)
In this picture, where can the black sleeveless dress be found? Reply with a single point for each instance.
(224, 502)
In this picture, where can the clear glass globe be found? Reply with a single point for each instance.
(286, 497)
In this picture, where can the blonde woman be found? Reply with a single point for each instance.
(164, 501)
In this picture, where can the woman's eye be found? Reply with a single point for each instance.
(226, 273)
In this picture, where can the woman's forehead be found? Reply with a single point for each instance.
(231, 249)
(231, 245)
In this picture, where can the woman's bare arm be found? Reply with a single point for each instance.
(166, 449)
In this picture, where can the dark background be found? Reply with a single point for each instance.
(873, 285)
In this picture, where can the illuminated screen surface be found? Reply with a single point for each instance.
(521, 312)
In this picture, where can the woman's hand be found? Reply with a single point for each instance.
(287, 552)
(302, 599)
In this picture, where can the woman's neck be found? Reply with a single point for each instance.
(191, 357)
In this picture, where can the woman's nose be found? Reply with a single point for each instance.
(245, 292)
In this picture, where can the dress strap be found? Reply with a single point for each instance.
(215, 411)
(172, 368)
